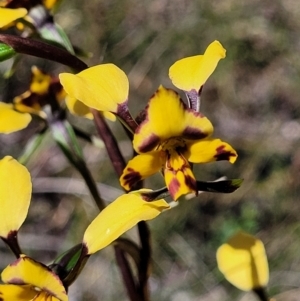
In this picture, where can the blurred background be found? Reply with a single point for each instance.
(253, 101)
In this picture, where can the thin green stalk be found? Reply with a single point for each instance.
(31, 147)
(66, 140)
(91, 184)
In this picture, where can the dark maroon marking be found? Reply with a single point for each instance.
(175, 184)
(182, 103)
(22, 3)
(173, 187)
(180, 150)
(16, 262)
(149, 144)
(143, 116)
(16, 281)
(193, 134)
(222, 154)
(122, 107)
(191, 183)
(132, 177)
(12, 241)
(124, 114)
(122, 110)
(196, 114)
(37, 101)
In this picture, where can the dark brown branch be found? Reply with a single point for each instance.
(145, 261)
(12, 241)
(43, 50)
(110, 142)
(127, 275)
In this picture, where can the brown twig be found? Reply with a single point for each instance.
(43, 50)
(127, 275)
(110, 142)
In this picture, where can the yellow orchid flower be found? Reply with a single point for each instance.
(44, 89)
(243, 262)
(118, 217)
(103, 87)
(15, 192)
(26, 279)
(8, 15)
(169, 138)
(192, 72)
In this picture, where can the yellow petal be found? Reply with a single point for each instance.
(11, 292)
(15, 192)
(78, 108)
(101, 87)
(179, 177)
(27, 271)
(192, 72)
(8, 15)
(118, 217)
(12, 121)
(210, 150)
(110, 116)
(243, 262)
(28, 102)
(168, 117)
(141, 167)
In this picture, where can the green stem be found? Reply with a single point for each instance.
(91, 184)
(31, 147)
(66, 140)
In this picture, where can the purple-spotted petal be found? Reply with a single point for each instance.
(179, 177)
(210, 150)
(26, 271)
(140, 167)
